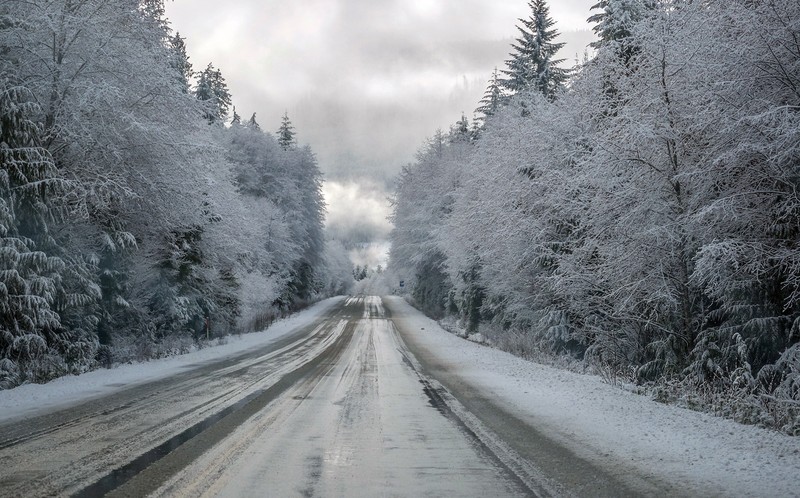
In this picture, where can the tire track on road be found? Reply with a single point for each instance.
(60, 453)
(147, 472)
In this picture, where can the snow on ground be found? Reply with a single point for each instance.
(600, 422)
(32, 399)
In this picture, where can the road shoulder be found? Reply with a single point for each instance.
(594, 437)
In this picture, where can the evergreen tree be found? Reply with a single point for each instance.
(286, 133)
(492, 98)
(532, 64)
(212, 90)
(31, 275)
(475, 129)
(236, 119)
(308, 208)
(461, 131)
(614, 21)
(252, 123)
(181, 62)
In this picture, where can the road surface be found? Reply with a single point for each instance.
(350, 405)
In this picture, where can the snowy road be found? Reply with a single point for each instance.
(364, 397)
(336, 408)
(362, 424)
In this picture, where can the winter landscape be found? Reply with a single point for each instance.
(336, 286)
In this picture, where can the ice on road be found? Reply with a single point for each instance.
(364, 427)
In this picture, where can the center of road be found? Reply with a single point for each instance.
(348, 405)
(360, 422)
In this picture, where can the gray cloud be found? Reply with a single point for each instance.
(359, 216)
(364, 81)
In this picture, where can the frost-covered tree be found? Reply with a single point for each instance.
(132, 221)
(236, 120)
(749, 264)
(286, 133)
(337, 275)
(290, 179)
(533, 65)
(309, 211)
(461, 132)
(422, 203)
(181, 61)
(646, 221)
(252, 123)
(35, 285)
(212, 91)
(492, 97)
(615, 19)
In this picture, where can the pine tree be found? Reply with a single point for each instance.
(286, 134)
(212, 90)
(181, 61)
(532, 64)
(492, 98)
(614, 24)
(461, 131)
(475, 130)
(614, 21)
(30, 278)
(252, 123)
(236, 119)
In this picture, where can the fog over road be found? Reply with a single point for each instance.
(347, 406)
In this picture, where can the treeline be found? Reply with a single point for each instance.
(639, 213)
(134, 220)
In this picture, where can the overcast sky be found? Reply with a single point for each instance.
(364, 81)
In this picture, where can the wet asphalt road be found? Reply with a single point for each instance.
(348, 406)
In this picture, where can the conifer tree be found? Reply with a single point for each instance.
(252, 123)
(476, 128)
(212, 90)
(236, 119)
(461, 131)
(30, 278)
(181, 61)
(614, 21)
(286, 134)
(532, 64)
(492, 98)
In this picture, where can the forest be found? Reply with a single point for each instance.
(140, 215)
(637, 215)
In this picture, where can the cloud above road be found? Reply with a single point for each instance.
(364, 81)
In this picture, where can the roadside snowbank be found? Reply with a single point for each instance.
(604, 424)
(31, 399)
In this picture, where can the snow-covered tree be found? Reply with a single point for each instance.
(288, 178)
(337, 274)
(749, 264)
(132, 221)
(181, 61)
(252, 123)
(615, 19)
(236, 120)
(286, 133)
(492, 97)
(35, 287)
(646, 221)
(212, 91)
(533, 65)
